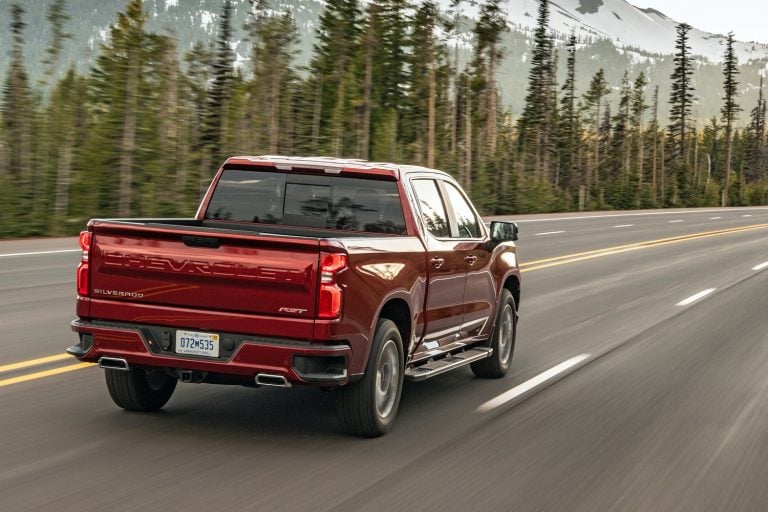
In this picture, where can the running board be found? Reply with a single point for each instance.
(446, 364)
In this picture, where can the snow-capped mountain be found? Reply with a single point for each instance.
(613, 34)
(627, 26)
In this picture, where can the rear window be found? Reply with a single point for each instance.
(334, 202)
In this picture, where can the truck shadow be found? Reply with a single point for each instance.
(268, 414)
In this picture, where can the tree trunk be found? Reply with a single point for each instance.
(365, 129)
(455, 105)
(491, 114)
(128, 142)
(337, 133)
(273, 119)
(728, 155)
(63, 177)
(468, 146)
(663, 173)
(431, 116)
(318, 110)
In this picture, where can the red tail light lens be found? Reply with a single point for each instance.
(83, 270)
(85, 240)
(83, 283)
(329, 298)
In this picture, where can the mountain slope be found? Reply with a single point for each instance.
(613, 34)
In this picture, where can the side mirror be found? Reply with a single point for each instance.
(503, 232)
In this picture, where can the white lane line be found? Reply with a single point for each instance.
(549, 233)
(38, 253)
(643, 214)
(624, 226)
(694, 298)
(678, 220)
(746, 215)
(715, 218)
(528, 385)
(760, 266)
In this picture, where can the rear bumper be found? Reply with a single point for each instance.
(300, 362)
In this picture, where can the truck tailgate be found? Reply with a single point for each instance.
(250, 273)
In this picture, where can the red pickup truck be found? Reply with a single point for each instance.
(343, 274)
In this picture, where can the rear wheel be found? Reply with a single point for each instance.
(368, 407)
(502, 341)
(138, 389)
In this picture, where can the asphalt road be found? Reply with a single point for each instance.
(640, 382)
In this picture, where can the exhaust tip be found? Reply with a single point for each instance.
(271, 379)
(113, 363)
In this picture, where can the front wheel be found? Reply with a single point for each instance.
(502, 342)
(368, 407)
(138, 389)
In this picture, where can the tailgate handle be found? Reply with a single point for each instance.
(201, 241)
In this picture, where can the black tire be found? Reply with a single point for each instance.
(368, 407)
(138, 389)
(502, 341)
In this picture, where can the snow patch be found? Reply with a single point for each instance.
(207, 19)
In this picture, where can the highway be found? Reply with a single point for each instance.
(639, 383)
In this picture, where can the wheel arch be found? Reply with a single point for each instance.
(512, 283)
(398, 311)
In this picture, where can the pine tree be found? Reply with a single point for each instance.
(57, 17)
(331, 73)
(532, 126)
(488, 30)
(221, 86)
(390, 76)
(654, 129)
(730, 108)
(593, 99)
(638, 108)
(16, 167)
(568, 128)
(481, 141)
(681, 98)
(274, 41)
(67, 108)
(424, 123)
(123, 95)
(756, 158)
(619, 142)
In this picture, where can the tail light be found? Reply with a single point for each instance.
(329, 298)
(83, 274)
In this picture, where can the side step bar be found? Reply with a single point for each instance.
(447, 364)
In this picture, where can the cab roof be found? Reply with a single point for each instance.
(330, 165)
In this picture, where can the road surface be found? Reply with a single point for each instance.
(640, 382)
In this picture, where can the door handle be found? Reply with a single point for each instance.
(470, 259)
(437, 262)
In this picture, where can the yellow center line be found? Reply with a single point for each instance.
(599, 253)
(34, 362)
(45, 373)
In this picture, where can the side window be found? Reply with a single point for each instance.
(432, 208)
(465, 217)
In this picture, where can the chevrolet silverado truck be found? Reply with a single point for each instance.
(347, 275)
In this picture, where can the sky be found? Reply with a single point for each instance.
(745, 18)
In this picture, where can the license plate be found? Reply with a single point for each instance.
(197, 343)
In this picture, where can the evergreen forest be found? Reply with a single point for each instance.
(141, 133)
